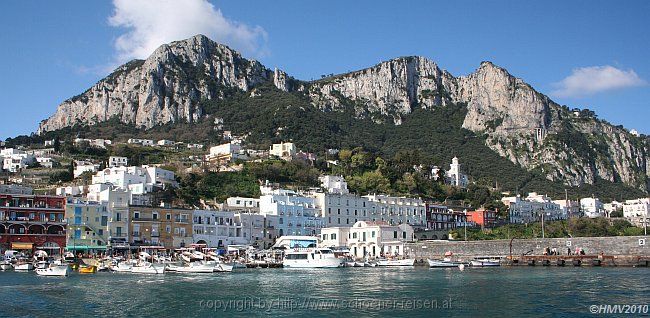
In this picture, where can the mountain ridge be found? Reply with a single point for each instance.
(520, 124)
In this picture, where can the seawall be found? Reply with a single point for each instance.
(612, 246)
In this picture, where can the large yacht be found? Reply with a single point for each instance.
(302, 252)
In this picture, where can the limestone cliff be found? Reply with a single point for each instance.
(518, 122)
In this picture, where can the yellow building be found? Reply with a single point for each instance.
(171, 228)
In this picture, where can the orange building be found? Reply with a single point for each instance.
(482, 217)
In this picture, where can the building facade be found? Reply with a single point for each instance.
(297, 214)
(368, 239)
(88, 227)
(31, 222)
(167, 227)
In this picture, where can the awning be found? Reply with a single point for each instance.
(21, 246)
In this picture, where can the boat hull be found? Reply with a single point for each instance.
(149, 269)
(438, 263)
(401, 262)
(322, 263)
(24, 267)
(479, 263)
(60, 270)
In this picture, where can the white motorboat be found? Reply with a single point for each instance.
(42, 265)
(485, 262)
(23, 266)
(148, 268)
(396, 262)
(223, 267)
(122, 267)
(237, 264)
(311, 258)
(54, 270)
(193, 267)
(446, 262)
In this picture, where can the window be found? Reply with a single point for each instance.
(394, 234)
(136, 215)
(281, 221)
(154, 215)
(104, 220)
(118, 217)
(168, 217)
(373, 234)
(168, 229)
(403, 235)
(354, 235)
(333, 236)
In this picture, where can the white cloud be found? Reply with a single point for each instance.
(151, 23)
(595, 79)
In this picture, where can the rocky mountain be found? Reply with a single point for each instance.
(519, 123)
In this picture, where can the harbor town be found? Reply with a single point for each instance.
(117, 223)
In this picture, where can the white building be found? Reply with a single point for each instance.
(243, 204)
(194, 146)
(142, 142)
(45, 162)
(284, 150)
(369, 239)
(334, 184)
(453, 176)
(335, 237)
(223, 228)
(15, 160)
(343, 210)
(84, 166)
(114, 161)
(98, 143)
(612, 207)
(297, 215)
(532, 208)
(139, 180)
(225, 152)
(398, 210)
(592, 207)
(165, 143)
(637, 211)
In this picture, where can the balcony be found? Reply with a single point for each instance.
(135, 234)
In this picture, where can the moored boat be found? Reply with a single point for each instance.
(193, 267)
(396, 262)
(122, 267)
(446, 262)
(485, 262)
(148, 268)
(23, 266)
(91, 269)
(311, 258)
(53, 270)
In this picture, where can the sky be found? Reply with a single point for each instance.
(585, 54)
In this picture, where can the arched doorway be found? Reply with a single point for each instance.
(55, 230)
(17, 229)
(201, 242)
(36, 229)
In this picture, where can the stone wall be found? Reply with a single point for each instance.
(619, 245)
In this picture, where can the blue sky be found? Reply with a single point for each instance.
(591, 54)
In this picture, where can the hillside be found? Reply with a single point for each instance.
(186, 84)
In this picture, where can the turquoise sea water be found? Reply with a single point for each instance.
(363, 292)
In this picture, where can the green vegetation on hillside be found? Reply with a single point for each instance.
(575, 227)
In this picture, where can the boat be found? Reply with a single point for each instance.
(396, 262)
(122, 267)
(91, 269)
(223, 267)
(5, 263)
(23, 266)
(485, 262)
(53, 270)
(194, 267)
(148, 268)
(446, 262)
(311, 258)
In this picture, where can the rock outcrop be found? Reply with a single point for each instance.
(519, 123)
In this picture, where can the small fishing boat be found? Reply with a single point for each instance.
(485, 262)
(396, 262)
(446, 262)
(89, 269)
(53, 270)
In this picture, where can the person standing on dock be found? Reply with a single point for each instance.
(568, 251)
